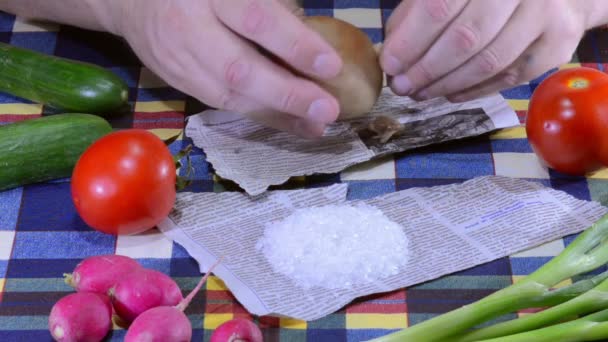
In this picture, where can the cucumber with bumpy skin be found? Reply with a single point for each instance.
(65, 84)
(46, 148)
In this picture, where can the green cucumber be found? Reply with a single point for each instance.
(46, 148)
(64, 84)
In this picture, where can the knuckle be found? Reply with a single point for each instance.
(236, 72)
(488, 62)
(568, 31)
(288, 100)
(529, 74)
(423, 72)
(295, 46)
(437, 10)
(175, 18)
(399, 44)
(513, 77)
(226, 100)
(439, 88)
(511, 80)
(566, 26)
(255, 19)
(465, 37)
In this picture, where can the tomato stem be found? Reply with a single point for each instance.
(183, 182)
(172, 139)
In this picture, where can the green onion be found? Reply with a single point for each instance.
(590, 301)
(589, 328)
(586, 253)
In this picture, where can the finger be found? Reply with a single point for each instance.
(393, 21)
(287, 123)
(397, 16)
(227, 100)
(468, 34)
(495, 84)
(294, 6)
(273, 119)
(206, 90)
(240, 68)
(543, 55)
(418, 26)
(510, 44)
(272, 26)
(188, 72)
(184, 70)
(200, 84)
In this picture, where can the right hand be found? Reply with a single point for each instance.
(208, 49)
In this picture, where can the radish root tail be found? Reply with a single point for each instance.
(186, 301)
(68, 279)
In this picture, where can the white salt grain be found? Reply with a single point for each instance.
(335, 246)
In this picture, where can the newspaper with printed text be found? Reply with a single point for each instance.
(256, 157)
(449, 227)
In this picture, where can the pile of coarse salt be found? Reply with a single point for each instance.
(335, 246)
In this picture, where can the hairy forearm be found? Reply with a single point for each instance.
(98, 15)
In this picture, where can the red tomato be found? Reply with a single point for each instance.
(124, 183)
(567, 123)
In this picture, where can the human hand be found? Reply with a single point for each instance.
(463, 49)
(209, 49)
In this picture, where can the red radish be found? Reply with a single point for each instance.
(99, 273)
(141, 290)
(162, 324)
(237, 329)
(81, 317)
(165, 323)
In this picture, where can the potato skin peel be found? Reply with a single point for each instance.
(359, 83)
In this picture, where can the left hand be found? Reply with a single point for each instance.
(464, 49)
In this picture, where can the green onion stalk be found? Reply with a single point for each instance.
(588, 328)
(586, 253)
(595, 299)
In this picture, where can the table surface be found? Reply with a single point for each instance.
(41, 236)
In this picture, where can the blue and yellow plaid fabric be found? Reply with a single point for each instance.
(41, 236)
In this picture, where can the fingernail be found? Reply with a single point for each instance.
(402, 85)
(321, 110)
(392, 65)
(326, 65)
(308, 129)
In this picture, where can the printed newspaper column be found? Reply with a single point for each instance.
(449, 227)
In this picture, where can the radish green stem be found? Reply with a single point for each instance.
(586, 253)
(186, 301)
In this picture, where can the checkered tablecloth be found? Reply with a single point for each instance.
(41, 236)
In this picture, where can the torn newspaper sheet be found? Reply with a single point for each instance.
(449, 227)
(256, 157)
